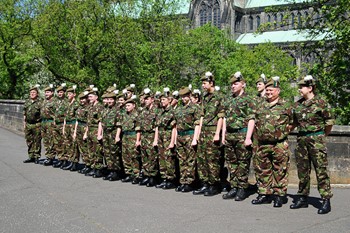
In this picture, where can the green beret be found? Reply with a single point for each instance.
(49, 88)
(63, 87)
(308, 80)
(274, 81)
(208, 76)
(184, 91)
(236, 77)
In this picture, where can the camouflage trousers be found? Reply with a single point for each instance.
(149, 155)
(130, 156)
(47, 132)
(111, 150)
(271, 168)
(33, 139)
(187, 159)
(208, 158)
(70, 145)
(166, 157)
(58, 140)
(82, 146)
(94, 148)
(312, 149)
(238, 158)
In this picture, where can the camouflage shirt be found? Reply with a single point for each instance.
(166, 119)
(212, 109)
(110, 117)
(272, 121)
(81, 113)
(48, 108)
(148, 118)
(238, 111)
(71, 111)
(31, 111)
(130, 121)
(94, 114)
(312, 115)
(187, 116)
(60, 110)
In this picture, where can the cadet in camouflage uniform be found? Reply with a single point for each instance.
(314, 120)
(80, 128)
(92, 132)
(260, 85)
(163, 136)
(208, 156)
(47, 113)
(32, 125)
(149, 156)
(111, 149)
(61, 105)
(237, 137)
(70, 144)
(128, 132)
(187, 126)
(273, 123)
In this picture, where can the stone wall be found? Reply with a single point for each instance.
(338, 143)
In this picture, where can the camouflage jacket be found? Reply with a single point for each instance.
(71, 111)
(110, 117)
(31, 111)
(166, 119)
(187, 116)
(81, 113)
(130, 121)
(61, 110)
(271, 122)
(312, 115)
(94, 114)
(212, 109)
(238, 111)
(148, 118)
(48, 108)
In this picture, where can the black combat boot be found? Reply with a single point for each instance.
(179, 188)
(326, 207)
(68, 166)
(127, 179)
(91, 173)
(87, 170)
(241, 195)
(48, 162)
(202, 190)
(278, 201)
(114, 176)
(169, 185)
(29, 160)
(300, 203)
(187, 188)
(58, 164)
(212, 191)
(151, 182)
(98, 173)
(74, 167)
(262, 199)
(64, 164)
(230, 195)
(161, 185)
(144, 181)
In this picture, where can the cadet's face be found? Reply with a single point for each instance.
(92, 98)
(33, 94)
(304, 90)
(70, 95)
(148, 101)
(110, 101)
(260, 86)
(165, 102)
(206, 85)
(194, 99)
(129, 94)
(129, 107)
(174, 102)
(121, 100)
(272, 93)
(48, 94)
(83, 101)
(60, 94)
(104, 101)
(186, 99)
(236, 87)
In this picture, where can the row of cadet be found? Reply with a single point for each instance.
(155, 141)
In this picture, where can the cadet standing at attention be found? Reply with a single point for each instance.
(47, 114)
(273, 122)
(237, 137)
(314, 120)
(32, 125)
(208, 155)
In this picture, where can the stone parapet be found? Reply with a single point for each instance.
(338, 144)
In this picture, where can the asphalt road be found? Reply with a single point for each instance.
(34, 198)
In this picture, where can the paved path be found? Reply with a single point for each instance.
(34, 198)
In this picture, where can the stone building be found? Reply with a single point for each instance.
(242, 18)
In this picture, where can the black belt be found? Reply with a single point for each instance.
(241, 130)
(129, 132)
(271, 142)
(308, 133)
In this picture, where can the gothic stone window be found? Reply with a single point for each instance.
(209, 11)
